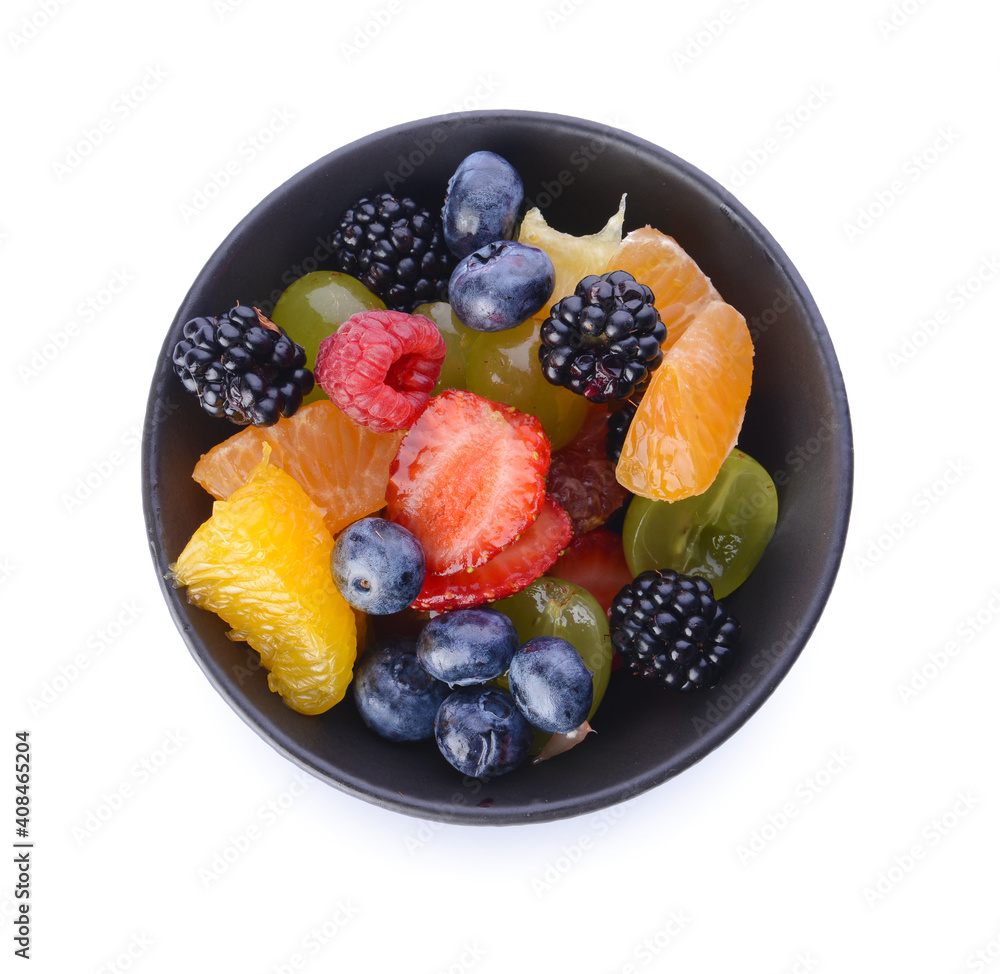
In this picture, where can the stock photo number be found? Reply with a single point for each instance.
(22, 847)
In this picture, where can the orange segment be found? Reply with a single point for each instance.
(690, 415)
(343, 467)
(679, 286)
(262, 563)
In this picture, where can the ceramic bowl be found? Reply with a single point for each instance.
(797, 425)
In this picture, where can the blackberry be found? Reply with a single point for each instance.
(395, 249)
(242, 366)
(668, 627)
(604, 339)
(618, 423)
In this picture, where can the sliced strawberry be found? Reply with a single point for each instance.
(515, 568)
(596, 562)
(469, 477)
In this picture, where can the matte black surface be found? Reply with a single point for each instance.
(797, 425)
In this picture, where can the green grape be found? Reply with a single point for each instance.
(552, 607)
(456, 336)
(719, 535)
(316, 305)
(503, 366)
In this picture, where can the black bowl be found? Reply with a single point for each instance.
(797, 425)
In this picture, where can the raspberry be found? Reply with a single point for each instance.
(379, 367)
(582, 478)
(668, 627)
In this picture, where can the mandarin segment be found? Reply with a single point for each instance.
(261, 562)
(690, 415)
(343, 467)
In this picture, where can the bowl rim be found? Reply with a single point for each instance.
(638, 783)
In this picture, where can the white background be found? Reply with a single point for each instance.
(850, 825)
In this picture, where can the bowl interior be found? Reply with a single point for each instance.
(797, 425)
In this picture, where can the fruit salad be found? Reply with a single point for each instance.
(482, 464)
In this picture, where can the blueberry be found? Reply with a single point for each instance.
(467, 646)
(482, 203)
(501, 285)
(395, 695)
(551, 684)
(481, 732)
(378, 566)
